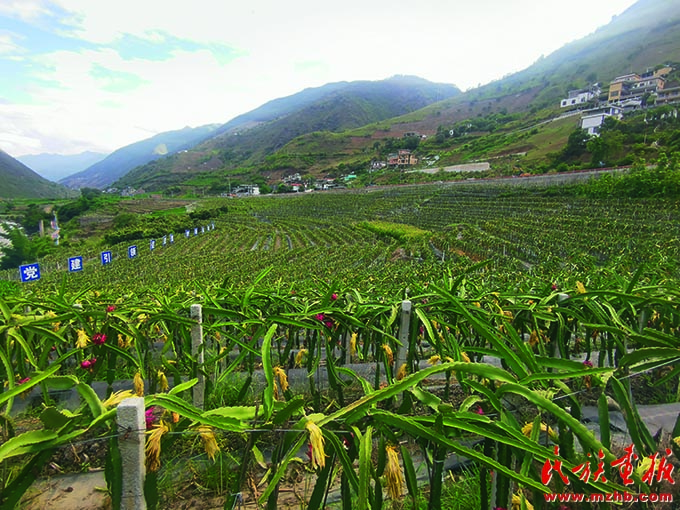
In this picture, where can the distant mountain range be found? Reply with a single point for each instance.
(250, 137)
(121, 161)
(56, 166)
(338, 125)
(19, 181)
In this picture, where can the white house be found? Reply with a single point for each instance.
(592, 119)
(580, 96)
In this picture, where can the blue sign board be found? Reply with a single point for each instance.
(202, 230)
(196, 231)
(132, 252)
(106, 258)
(186, 233)
(172, 238)
(152, 244)
(165, 240)
(30, 272)
(75, 264)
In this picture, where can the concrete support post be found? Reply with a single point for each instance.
(404, 333)
(130, 417)
(197, 352)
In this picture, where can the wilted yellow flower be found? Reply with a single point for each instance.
(280, 374)
(434, 359)
(534, 339)
(117, 397)
(300, 356)
(508, 314)
(529, 427)
(209, 442)
(123, 341)
(138, 383)
(50, 314)
(82, 340)
(316, 441)
(162, 381)
(464, 357)
(153, 447)
(517, 502)
(56, 326)
(580, 288)
(676, 440)
(393, 475)
(142, 317)
(388, 353)
(353, 344)
(402, 372)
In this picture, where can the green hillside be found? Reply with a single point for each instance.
(516, 123)
(19, 181)
(340, 108)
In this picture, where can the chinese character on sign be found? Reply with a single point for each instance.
(195, 231)
(29, 272)
(625, 465)
(548, 468)
(152, 244)
(664, 469)
(202, 230)
(165, 240)
(75, 264)
(172, 238)
(132, 252)
(106, 258)
(186, 233)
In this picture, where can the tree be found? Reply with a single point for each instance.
(576, 145)
(22, 249)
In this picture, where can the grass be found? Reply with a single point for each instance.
(399, 231)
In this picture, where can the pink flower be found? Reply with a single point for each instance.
(554, 286)
(110, 308)
(588, 363)
(98, 338)
(479, 410)
(24, 380)
(329, 324)
(334, 296)
(88, 363)
(149, 417)
(320, 317)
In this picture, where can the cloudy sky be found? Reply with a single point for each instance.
(80, 75)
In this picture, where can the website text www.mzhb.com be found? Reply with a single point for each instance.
(614, 497)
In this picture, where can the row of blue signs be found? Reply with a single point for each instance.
(31, 272)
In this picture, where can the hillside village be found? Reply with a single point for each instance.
(626, 93)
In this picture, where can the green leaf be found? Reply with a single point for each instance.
(34, 380)
(53, 419)
(337, 447)
(17, 444)
(357, 409)
(410, 474)
(268, 369)
(183, 387)
(637, 429)
(365, 467)
(91, 399)
(176, 404)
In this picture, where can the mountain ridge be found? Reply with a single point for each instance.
(19, 181)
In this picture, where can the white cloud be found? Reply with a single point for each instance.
(91, 99)
(28, 10)
(8, 46)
